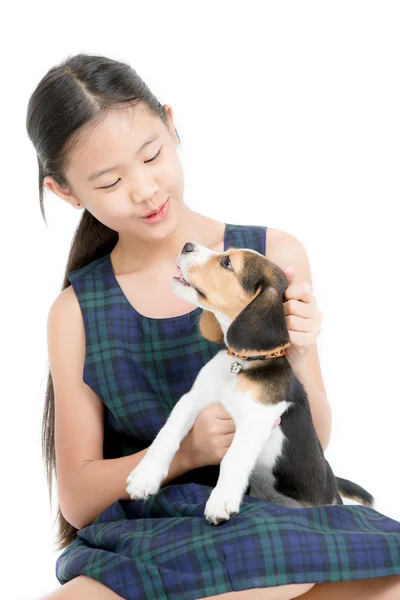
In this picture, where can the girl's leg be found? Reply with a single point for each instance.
(86, 588)
(83, 588)
(280, 592)
(382, 588)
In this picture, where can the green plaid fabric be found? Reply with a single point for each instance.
(164, 547)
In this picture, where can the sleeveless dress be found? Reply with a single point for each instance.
(164, 548)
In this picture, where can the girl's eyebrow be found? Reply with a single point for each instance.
(99, 172)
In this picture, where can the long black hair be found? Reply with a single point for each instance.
(81, 89)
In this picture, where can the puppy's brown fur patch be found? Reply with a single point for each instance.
(210, 328)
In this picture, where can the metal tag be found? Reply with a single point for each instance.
(236, 367)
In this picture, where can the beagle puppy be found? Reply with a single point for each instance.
(242, 294)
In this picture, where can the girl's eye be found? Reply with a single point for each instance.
(226, 262)
(154, 157)
(107, 187)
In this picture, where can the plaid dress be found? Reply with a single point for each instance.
(163, 548)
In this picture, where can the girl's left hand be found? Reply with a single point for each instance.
(303, 318)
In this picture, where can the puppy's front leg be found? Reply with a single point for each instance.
(238, 463)
(145, 479)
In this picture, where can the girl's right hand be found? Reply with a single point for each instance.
(210, 437)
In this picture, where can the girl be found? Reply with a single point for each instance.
(123, 349)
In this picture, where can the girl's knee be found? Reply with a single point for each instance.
(83, 588)
(298, 589)
(281, 592)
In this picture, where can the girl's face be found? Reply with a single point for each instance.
(145, 171)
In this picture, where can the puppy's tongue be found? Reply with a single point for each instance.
(181, 277)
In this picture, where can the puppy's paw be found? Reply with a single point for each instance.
(145, 479)
(221, 505)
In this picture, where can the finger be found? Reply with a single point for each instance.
(298, 308)
(302, 339)
(227, 440)
(222, 414)
(299, 291)
(217, 410)
(299, 324)
(226, 427)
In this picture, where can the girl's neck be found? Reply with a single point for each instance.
(135, 255)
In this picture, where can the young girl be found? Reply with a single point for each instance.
(123, 349)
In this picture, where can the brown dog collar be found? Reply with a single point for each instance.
(278, 351)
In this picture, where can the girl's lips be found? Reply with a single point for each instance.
(155, 212)
(158, 216)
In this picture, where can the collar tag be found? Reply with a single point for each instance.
(236, 367)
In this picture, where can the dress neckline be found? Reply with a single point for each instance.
(192, 313)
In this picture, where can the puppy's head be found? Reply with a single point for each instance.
(241, 292)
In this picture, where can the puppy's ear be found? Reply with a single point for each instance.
(210, 328)
(261, 325)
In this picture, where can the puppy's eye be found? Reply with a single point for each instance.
(226, 263)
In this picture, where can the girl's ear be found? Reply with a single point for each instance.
(210, 328)
(260, 326)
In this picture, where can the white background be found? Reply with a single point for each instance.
(288, 113)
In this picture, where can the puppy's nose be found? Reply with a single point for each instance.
(188, 247)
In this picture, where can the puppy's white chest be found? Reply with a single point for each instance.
(217, 383)
(216, 374)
